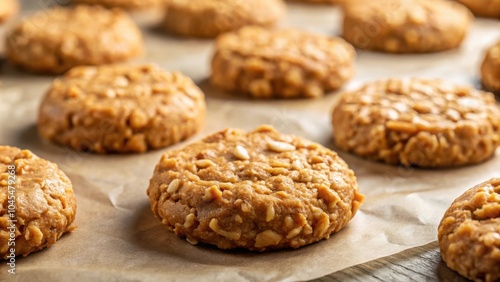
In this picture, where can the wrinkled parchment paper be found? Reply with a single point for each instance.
(118, 239)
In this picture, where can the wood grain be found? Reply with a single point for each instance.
(417, 264)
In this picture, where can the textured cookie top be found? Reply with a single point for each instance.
(400, 14)
(126, 4)
(45, 203)
(418, 122)
(261, 11)
(412, 105)
(405, 26)
(291, 45)
(118, 108)
(8, 8)
(257, 190)
(469, 232)
(81, 22)
(112, 83)
(57, 39)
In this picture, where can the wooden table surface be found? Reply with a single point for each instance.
(417, 264)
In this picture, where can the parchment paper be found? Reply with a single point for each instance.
(118, 239)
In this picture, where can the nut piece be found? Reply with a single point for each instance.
(189, 220)
(234, 235)
(280, 146)
(173, 186)
(267, 238)
(241, 153)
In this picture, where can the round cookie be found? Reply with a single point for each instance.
(331, 2)
(469, 233)
(125, 4)
(121, 109)
(490, 69)
(283, 63)
(418, 122)
(37, 203)
(405, 26)
(54, 40)
(259, 190)
(8, 9)
(483, 8)
(209, 18)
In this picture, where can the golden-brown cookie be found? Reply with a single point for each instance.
(490, 69)
(121, 109)
(209, 18)
(259, 190)
(483, 8)
(405, 26)
(54, 40)
(418, 122)
(469, 233)
(330, 2)
(7, 9)
(37, 203)
(125, 4)
(283, 63)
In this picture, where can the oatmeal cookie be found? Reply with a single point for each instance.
(483, 8)
(469, 233)
(405, 26)
(259, 190)
(7, 9)
(121, 109)
(40, 198)
(124, 4)
(331, 2)
(490, 69)
(418, 122)
(209, 18)
(53, 41)
(283, 63)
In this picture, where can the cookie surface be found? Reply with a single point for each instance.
(7, 9)
(125, 4)
(68, 37)
(209, 18)
(259, 190)
(121, 109)
(490, 68)
(283, 63)
(418, 122)
(43, 202)
(405, 26)
(332, 2)
(483, 8)
(469, 233)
